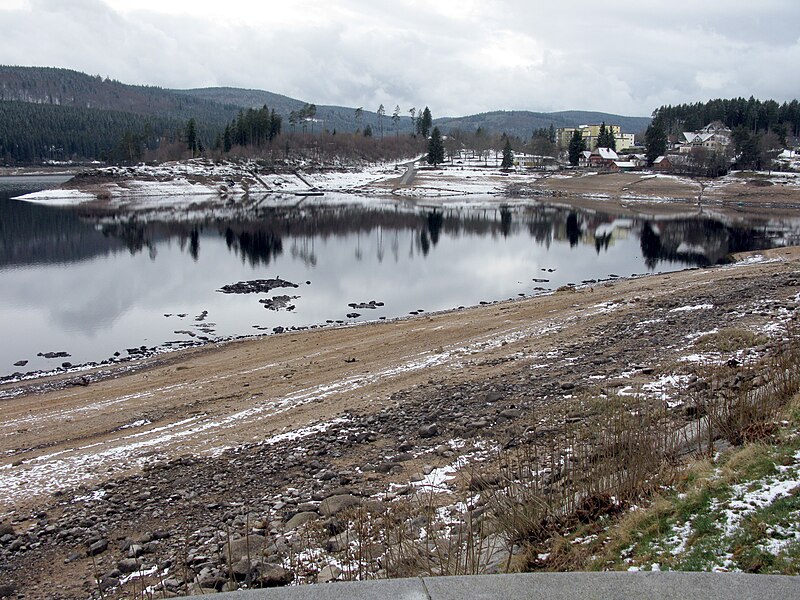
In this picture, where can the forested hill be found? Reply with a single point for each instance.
(38, 132)
(751, 114)
(58, 114)
(522, 122)
(329, 117)
(63, 87)
(341, 118)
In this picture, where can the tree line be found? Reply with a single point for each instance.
(41, 132)
(754, 115)
(759, 130)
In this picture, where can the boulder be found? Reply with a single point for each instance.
(129, 565)
(335, 504)
(246, 547)
(428, 431)
(299, 519)
(328, 573)
(98, 547)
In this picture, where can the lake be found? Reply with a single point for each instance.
(94, 287)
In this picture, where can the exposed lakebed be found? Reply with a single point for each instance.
(79, 287)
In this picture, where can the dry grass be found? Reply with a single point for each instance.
(730, 340)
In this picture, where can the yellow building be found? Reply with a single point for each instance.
(590, 134)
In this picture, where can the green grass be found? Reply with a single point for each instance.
(700, 497)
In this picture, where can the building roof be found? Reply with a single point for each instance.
(606, 154)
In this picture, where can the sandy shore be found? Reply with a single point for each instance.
(203, 401)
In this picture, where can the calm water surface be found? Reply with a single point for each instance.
(93, 285)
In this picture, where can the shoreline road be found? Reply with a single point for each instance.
(410, 173)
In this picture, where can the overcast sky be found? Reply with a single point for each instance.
(457, 56)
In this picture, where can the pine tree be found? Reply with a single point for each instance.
(435, 148)
(227, 139)
(191, 137)
(655, 140)
(576, 145)
(508, 156)
(424, 123)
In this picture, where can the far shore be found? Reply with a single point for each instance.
(115, 189)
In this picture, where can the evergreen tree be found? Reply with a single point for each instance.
(508, 156)
(576, 145)
(655, 140)
(191, 137)
(227, 140)
(424, 123)
(601, 137)
(435, 148)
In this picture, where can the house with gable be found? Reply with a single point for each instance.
(714, 137)
(583, 159)
(602, 158)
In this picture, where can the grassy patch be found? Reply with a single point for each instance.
(691, 526)
(729, 340)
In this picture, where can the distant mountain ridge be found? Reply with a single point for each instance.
(49, 113)
(64, 87)
(522, 122)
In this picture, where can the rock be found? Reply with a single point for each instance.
(98, 547)
(256, 286)
(339, 542)
(54, 354)
(210, 578)
(246, 547)
(300, 519)
(271, 575)
(278, 302)
(494, 396)
(428, 431)
(328, 573)
(106, 583)
(336, 504)
(6, 529)
(7, 589)
(20, 363)
(129, 565)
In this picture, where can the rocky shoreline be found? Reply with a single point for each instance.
(277, 504)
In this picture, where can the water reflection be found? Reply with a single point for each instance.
(93, 284)
(32, 234)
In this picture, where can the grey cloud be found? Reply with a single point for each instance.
(457, 56)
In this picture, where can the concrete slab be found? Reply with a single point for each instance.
(545, 586)
(396, 589)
